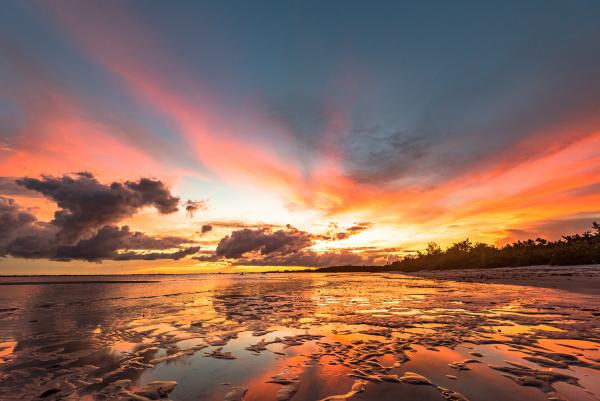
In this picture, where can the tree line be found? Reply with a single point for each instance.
(577, 249)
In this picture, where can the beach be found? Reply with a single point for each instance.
(297, 337)
(582, 279)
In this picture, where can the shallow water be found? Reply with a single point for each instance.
(295, 336)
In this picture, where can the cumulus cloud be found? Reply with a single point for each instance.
(21, 234)
(12, 217)
(291, 247)
(34, 242)
(86, 205)
(109, 240)
(311, 258)
(263, 240)
(85, 225)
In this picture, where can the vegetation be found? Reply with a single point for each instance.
(578, 249)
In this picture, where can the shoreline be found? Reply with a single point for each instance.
(78, 282)
(582, 279)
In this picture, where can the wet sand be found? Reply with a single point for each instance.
(297, 337)
(582, 279)
(72, 282)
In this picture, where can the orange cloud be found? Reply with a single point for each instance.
(530, 182)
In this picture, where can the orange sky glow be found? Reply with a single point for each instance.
(253, 169)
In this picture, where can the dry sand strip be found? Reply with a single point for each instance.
(579, 279)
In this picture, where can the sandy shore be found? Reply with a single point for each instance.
(580, 279)
(301, 337)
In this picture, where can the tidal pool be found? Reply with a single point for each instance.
(294, 337)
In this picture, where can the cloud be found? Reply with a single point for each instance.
(106, 243)
(35, 241)
(12, 217)
(291, 247)
(25, 237)
(334, 233)
(192, 207)
(263, 240)
(21, 234)
(9, 186)
(85, 227)
(175, 255)
(87, 205)
(320, 259)
(238, 224)
(151, 192)
(109, 243)
(206, 228)
(377, 154)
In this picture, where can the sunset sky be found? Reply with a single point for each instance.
(150, 136)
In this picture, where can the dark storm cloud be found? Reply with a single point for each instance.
(12, 217)
(85, 227)
(311, 258)
(35, 241)
(264, 241)
(290, 247)
(109, 243)
(87, 205)
(106, 243)
(21, 234)
(151, 192)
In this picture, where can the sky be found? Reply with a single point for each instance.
(178, 136)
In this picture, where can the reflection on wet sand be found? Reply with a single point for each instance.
(297, 337)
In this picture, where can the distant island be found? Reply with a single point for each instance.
(578, 249)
